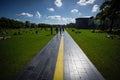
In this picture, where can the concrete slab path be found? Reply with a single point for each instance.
(42, 66)
(76, 64)
(46, 64)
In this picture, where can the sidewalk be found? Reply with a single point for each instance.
(76, 64)
(42, 66)
(60, 58)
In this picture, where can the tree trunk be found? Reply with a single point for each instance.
(111, 26)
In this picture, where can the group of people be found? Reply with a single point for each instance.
(57, 29)
(61, 29)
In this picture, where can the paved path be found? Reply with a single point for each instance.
(42, 66)
(61, 59)
(76, 64)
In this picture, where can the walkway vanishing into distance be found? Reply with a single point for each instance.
(60, 59)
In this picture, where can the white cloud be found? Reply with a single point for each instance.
(74, 11)
(95, 8)
(70, 20)
(58, 3)
(63, 19)
(37, 15)
(85, 2)
(57, 17)
(17, 19)
(25, 14)
(79, 13)
(90, 1)
(51, 9)
(85, 16)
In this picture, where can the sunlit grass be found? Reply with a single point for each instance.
(16, 52)
(103, 52)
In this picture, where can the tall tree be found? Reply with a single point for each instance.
(109, 9)
(115, 11)
(27, 24)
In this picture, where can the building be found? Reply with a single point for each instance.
(71, 25)
(82, 23)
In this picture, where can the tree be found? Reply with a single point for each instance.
(33, 25)
(27, 24)
(115, 11)
(110, 9)
(103, 14)
(91, 23)
(10, 23)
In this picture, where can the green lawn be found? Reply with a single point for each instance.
(16, 52)
(103, 52)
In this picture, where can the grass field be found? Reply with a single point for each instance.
(16, 52)
(103, 52)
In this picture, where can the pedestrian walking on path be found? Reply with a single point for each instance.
(60, 30)
(56, 29)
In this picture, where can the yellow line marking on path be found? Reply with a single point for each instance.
(59, 70)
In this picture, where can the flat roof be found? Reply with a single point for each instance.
(84, 17)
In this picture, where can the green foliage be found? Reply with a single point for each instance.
(110, 9)
(9, 23)
(16, 52)
(6, 23)
(27, 24)
(103, 52)
(43, 25)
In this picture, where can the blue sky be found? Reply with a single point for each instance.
(49, 11)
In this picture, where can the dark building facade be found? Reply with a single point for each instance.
(82, 23)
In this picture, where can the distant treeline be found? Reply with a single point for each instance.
(14, 24)
(10, 23)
